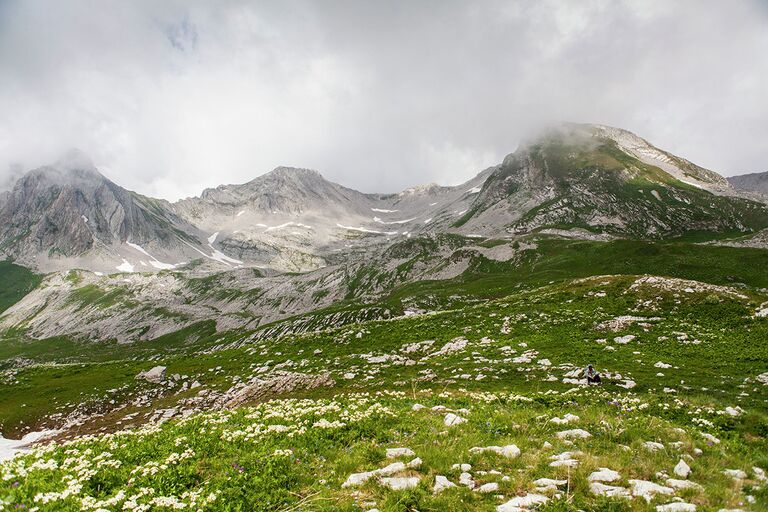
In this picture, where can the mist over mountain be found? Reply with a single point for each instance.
(576, 180)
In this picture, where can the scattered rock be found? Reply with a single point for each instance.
(510, 451)
(393, 453)
(400, 483)
(653, 446)
(683, 484)
(415, 463)
(604, 475)
(467, 480)
(452, 419)
(488, 488)
(682, 469)
(156, 375)
(676, 507)
(356, 479)
(575, 433)
(522, 503)
(442, 483)
(736, 474)
(279, 382)
(567, 418)
(611, 491)
(647, 490)
(548, 484)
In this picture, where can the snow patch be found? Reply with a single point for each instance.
(366, 230)
(125, 266)
(376, 219)
(380, 210)
(10, 447)
(152, 260)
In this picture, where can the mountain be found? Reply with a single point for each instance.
(607, 181)
(754, 182)
(574, 180)
(68, 214)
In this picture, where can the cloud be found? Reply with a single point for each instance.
(171, 97)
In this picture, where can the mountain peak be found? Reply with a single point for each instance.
(294, 171)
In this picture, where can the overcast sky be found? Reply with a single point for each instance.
(171, 97)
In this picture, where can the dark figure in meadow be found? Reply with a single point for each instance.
(592, 376)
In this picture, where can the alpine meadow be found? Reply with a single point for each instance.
(580, 326)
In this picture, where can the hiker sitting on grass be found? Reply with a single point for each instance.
(592, 376)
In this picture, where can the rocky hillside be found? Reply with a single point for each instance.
(607, 181)
(56, 215)
(755, 182)
(482, 407)
(582, 181)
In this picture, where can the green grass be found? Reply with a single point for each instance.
(17, 282)
(230, 461)
(513, 316)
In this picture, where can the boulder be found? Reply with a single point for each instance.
(611, 491)
(400, 483)
(682, 469)
(575, 433)
(604, 475)
(442, 483)
(393, 453)
(510, 451)
(522, 502)
(676, 507)
(156, 375)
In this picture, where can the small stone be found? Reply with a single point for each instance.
(548, 484)
(604, 475)
(400, 483)
(575, 433)
(393, 453)
(736, 474)
(676, 507)
(442, 483)
(567, 418)
(683, 484)
(452, 420)
(611, 491)
(647, 490)
(488, 488)
(653, 446)
(522, 502)
(682, 469)
(510, 451)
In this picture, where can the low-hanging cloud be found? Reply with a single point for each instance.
(170, 97)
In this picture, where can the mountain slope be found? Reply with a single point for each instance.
(754, 182)
(574, 180)
(68, 214)
(590, 178)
